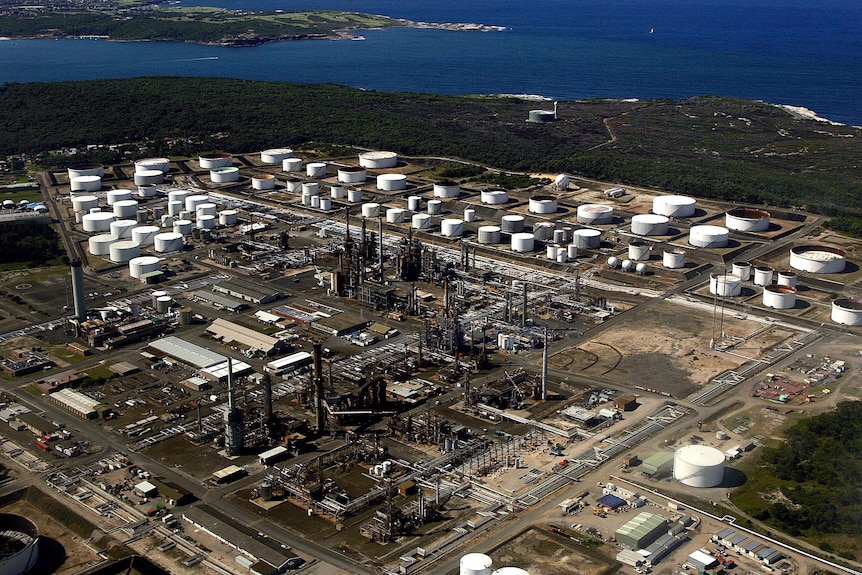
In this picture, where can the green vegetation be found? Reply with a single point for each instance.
(811, 485)
(27, 242)
(512, 181)
(62, 514)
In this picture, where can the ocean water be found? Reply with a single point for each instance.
(787, 52)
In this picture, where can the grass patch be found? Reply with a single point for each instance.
(65, 516)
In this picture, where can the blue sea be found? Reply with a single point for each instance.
(805, 54)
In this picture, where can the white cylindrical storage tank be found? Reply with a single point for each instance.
(469, 215)
(494, 197)
(673, 259)
(315, 202)
(85, 184)
(183, 227)
(414, 203)
(354, 195)
(725, 285)
(639, 250)
(86, 169)
(510, 571)
(561, 182)
(543, 231)
(640, 269)
(452, 227)
(421, 221)
(163, 303)
(352, 175)
(141, 215)
(523, 242)
(206, 209)
(95, 210)
(174, 208)
(627, 265)
(394, 215)
(378, 160)
(698, 466)
(275, 155)
(166, 221)
(311, 188)
(97, 222)
(435, 207)
(144, 235)
(847, 311)
(391, 182)
(82, 203)
(336, 192)
(543, 205)
(325, 203)
(217, 160)
(154, 297)
(650, 225)
(596, 214)
(489, 235)
(512, 224)
(143, 265)
(162, 165)
(315, 170)
(291, 165)
(818, 259)
(224, 175)
(206, 222)
(370, 210)
(294, 186)
(149, 177)
(228, 217)
(674, 206)
(572, 251)
(779, 296)
(126, 209)
(147, 191)
(168, 242)
(178, 195)
(114, 196)
(747, 220)
(742, 269)
(787, 279)
(560, 237)
(101, 245)
(447, 189)
(587, 239)
(551, 251)
(158, 212)
(123, 228)
(562, 255)
(192, 202)
(263, 182)
(708, 236)
(763, 275)
(475, 564)
(124, 251)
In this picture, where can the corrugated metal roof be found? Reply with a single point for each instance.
(187, 352)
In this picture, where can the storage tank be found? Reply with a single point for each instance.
(206, 209)
(708, 236)
(378, 160)
(82, 203)
(123, 228)
(512, 224)
(512, 570)
(435, 207)
(641, 268)
(275, 155)
(85, 169)
(168, 242)
(182, 227)
(145, 235)
(779, 296)
(149, 178)
(627, 265)
(494, 197)
(596, 214)
(148, 191)
(673, 259)
(562, 256)
(391, 182)
(154, 297)
(452, 228)
(263, 182)
(818, 259)
(97, 222)
(178, 195)
(447, 189)
(698, 466)
(742, 269)
(560, 237)
(217, 160)
(639, 250)
(228, 217)
(674, 206)
(162, 165)
(475, 564)
(613, 262)
(747, 220)
(561, 182)
(543, 205)
(206, 222)
(421, 221)
(315, 202)
(847, 311)
(572, 251)
(414, 203)
(224, 175)
(123, 251)
(101, 245)
(395, 215)
(650, 225)
(523, 242)
(85, 184)
(586, 238)
(315, 170)
(21, 542)
(174, 208)
(489, 235)
(725, 285)
(469, 215)
(763, 275)
(551, 251)
(543, 231)
(354, 195)
(325, 204)
(311, 188)
(352, 175)
(787, 279)
(294, 186)
(370, 210)
(192, 202)
(291, 165)
(126, 209)
(114, 196)
(336, 192)
(166, 221)
(163, 303)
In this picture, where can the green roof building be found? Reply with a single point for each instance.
(641, 531)
(658, 463)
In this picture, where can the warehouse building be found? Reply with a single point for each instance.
(76, 402)
(228, 332)
(641, 531)
(220, 301)
(212, 365)
(658, 464)
(253, 293)
(341, 324)
(749, 546)
(36, 424)
(289, 363)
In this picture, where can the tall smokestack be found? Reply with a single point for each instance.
(267, 400)
(524, 310)
(380, 248)
(233, 424)
(78, 290)
(545, 367)
(318, 387)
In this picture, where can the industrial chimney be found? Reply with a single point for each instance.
(233, 424)
(78, 290)
(318, 387)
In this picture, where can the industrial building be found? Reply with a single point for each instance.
(641, 531)
(228, 332)
(75, 402)
(212, 366)
(341, 324)
(748, 545)
(288, 363)
(659, 463)
(220, 301)
(254, 293)
(36, 424)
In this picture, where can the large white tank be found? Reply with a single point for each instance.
(378, 160)
(708, 236)
(143, 265)
(84, 203)
(315, 170)
(224, 175)
(414, 203)
(336, 192)
(325, 203)
(475, 564)
(818, 259)
(452, 227)
(673, 259)
(391, 182)
(163, 303)
(275, 155)
(561, 182)
(698, 466)
(725, 285)
(163, 165)
(206, 222)
(395, 215)
(587, 239)
(144, 235)
(489, 235)
(97, 222)
(649, 225)
(639, 250)
(543, 205)
(510, 571)
(114, 196)
(494, 197)
(192, 202)
(512, 224)
(421, 221)
(174, 208)
(85, 184)
(166, 221)
(101, 245)
(183, 227)
(763, 275)
(149, 177)
(523, 242)
(311, 188)
(779, 296)
(228, 217)
(123, 251)
(597, 214)
(126, 209)
(447, 189)
(847, 311)
(747, 219)
(168, 242)
(354, 195)
(352, 175)
(147, 191)
(674, 206)
(543, 231)
(217, 160)
(291, 165)
(263, 182)
(123, 228)
(178, 195)
(787, 279)
(742, 269)
(207, 209)
(551, 251)
(85, 169)
(370, 210)
(435, 207)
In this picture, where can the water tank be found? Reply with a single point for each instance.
(114, 196)
(168, 242)
(228, 217)
(543, 231)
(512, 224)
(145, 235)
(149, 178)
(85, 169)
(779, 296)
(674, 206)
(435, 207)
(747, 220)
(163, 303)
(163, 165)
(100, 245)
(725, 285)
(414, 203)
(147, 191)
(192, 202)
(447, 189)
(395, 215)
(143, 265)
(206, 209)
(263, 182)
(673, 259)
(352, 175)
(475, 564)
(742, 269)
(315, 170)
(275, 155)
(421, 221)
(452, 228)
(182, 227)
(698, 466)
(523, 242)
(291, 165)
(123, 251)
(587, 239)
(818, 259)
(370, 210)
(225, 175)
(543, 205)
(469, 215)
(85, 184)
(391, 182)
(378, 160)
(787, 279)
(650, 225)
(216, 160)
(541, 116)
(97, 222)
(494, 197)
(489, 235)
(847, 311)
(596, 214)
(354, 195)
(206, 222)
(708, 236)
(639, 250)
(81, 203)
(763, 275)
